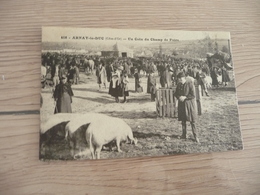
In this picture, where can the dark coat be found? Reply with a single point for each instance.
(152, 84)
(214, 76)
(62, 95)
(163, 78)
(115, 91)
(137, 83)
(187, 110)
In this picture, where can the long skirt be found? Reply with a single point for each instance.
(115, 92)
(225, 76)
(63, 104)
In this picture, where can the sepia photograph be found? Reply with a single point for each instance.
(120, 93)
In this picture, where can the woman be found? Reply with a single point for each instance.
(62, 96)
(225, 76)
(125, 82)
(114, 87)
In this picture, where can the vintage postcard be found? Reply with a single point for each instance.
(118, 93)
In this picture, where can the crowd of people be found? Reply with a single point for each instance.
(116, 70)
(62, 70)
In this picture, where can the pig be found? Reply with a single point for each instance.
(92, 129)
(105, 129)
(77, 120)
(77, 140)
(56, 119)
(53, 129)
(75, 132)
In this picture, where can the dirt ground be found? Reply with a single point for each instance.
(218, 126)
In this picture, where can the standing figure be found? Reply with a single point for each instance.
(125, 82)
(71, 74)
(149, 82)
(163, 77)
(214, 76)
(152, 85)
(225, 76)
(63, 96)
(55, 75)
(62, 71)
(114, 86)
(187, 108)
(76, 78)
(101, 75)
(201, 78)
(43, 75)
(169, 73)
(137, 81)
(109, 70)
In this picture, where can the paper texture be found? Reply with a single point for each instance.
(118, 93)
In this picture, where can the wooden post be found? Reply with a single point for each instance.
(171, 103)
(198, 98)
(164, 102)
(167, 102)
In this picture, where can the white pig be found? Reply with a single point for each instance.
(105, 129)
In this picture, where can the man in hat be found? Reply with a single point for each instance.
(187, 108)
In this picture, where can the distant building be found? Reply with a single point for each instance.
(146, 53)
(118, 51)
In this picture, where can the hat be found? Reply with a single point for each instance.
(180, 75)
(63, 77)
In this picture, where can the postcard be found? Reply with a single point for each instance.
(120, 93)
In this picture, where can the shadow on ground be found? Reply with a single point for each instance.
(132, 115)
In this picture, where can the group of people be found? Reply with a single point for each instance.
(117, 77)
(60, 76)
(114, 72)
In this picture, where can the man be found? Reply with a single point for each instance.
(152, 86)
(55, 75)
(137, 81)
(76, 78)
(187, 108)
(163, 76)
